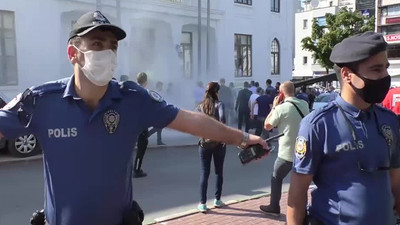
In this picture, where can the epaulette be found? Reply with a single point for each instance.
(383, 109)
(129, 86)
(50, 87)
(315, 115)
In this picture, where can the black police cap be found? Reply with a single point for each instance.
(93, 20)
(358, 47)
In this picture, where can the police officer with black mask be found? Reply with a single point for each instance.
(350, 148)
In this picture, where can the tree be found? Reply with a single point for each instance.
(337, 28)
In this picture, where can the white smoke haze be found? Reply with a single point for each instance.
(154, 48)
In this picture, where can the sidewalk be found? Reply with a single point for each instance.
(237, 213)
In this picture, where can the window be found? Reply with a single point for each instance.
(304, 60)
(275, 61)
(330, 4)
(246, 2)
(393, 29)
(186, 52)
(305, 24)
(321, 21)
(393, 51)
(393, 10)
(243, 55)
(314, 61)
(384, 11)
(275, 5)
(8, 53)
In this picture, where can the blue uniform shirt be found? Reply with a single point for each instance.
(88, 154)
(351, 173)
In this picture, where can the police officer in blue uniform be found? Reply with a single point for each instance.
(88, 125)
(350, 149)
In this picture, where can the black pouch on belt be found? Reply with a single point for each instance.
(38, 218)
(309, 220)
(134, 216)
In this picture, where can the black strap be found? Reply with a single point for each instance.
(298, 110)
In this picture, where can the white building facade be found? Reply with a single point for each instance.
(248, 40)
(305, 66)
(388, 23)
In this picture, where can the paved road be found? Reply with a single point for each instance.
(171, 187)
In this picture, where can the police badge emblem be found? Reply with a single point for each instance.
(387, 133)
(155, 96)
(300, 147)
(111, 120)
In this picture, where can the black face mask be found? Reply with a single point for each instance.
(374, 91)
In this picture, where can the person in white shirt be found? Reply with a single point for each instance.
(254, 107)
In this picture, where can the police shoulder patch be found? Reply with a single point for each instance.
(387, 133)
(300, 147)
(155, 96)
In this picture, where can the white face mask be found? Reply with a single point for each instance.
(99, 66)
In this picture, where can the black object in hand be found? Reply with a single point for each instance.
(38, 218)
(255, 151)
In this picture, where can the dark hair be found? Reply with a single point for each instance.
(256, 84)
(210, 98)
(269, 81)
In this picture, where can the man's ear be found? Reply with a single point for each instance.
(72, 54)
(346, 74)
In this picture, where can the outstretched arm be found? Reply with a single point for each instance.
(204, 126)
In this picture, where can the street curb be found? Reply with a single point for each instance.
(194, 211)
(40, 157)
(19, 160)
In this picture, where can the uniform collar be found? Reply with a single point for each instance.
(113, 90)
(352, 110)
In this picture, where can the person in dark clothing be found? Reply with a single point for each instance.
(226, 97)
(264, 108)
(277, 85)
(143, 140)
(311, 97)
(242, 107)
(303, 95)
(209, 149)
(269, 87)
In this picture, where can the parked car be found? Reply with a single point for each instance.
(22, 146)
(323, 99)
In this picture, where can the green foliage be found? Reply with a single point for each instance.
(338, 27)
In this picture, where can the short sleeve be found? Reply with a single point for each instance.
(157, 113)
(308, 148)
(10, 125)
(274, 118)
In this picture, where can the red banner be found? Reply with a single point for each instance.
(393, 20)
(392, 37)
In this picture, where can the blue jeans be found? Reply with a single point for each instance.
(218, 153)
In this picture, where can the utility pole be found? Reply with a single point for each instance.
(208, 39)
(199, 40)
(118, 6)
(98, 5)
